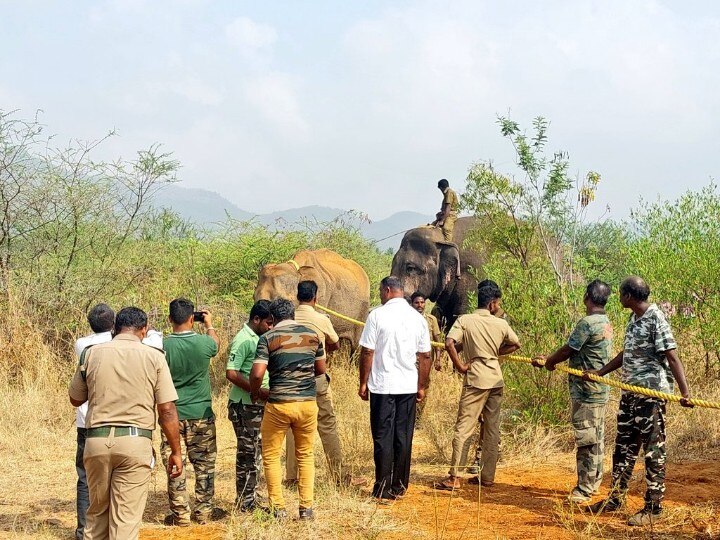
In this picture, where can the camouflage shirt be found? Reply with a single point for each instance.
(646, 340)
(289, 350)
(591, 341)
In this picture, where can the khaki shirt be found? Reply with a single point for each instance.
(481, 335)
(433, 327)
(451, 198)
(307, 316)
(123, 381)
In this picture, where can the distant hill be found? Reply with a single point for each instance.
(391, 227)
(200, 206)
(208, 209)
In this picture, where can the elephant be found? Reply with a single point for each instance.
(343, 286)
(428, 264)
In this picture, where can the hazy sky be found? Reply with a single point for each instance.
(366, 104)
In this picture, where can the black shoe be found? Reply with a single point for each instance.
(279, 514)
(248, 508)
(386, 497)
(306, 514)
(649, 515)
(171, 520)
(611, 504)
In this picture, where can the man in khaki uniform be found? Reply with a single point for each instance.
(122, 381)
(484, 337)
(306, 315)
(417, 300)
(447, 216)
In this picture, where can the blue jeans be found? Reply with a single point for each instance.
(83, 496)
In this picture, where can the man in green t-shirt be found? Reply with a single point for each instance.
(188, 356)
(588, 347)
(245, 415)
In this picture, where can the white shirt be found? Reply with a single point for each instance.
(154, 339)
(396, 332)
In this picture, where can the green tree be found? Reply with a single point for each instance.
(676, 248)
(533, 233)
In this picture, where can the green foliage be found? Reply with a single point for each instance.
(676, 248)
(540, 250)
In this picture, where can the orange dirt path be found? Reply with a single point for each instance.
(528, 503)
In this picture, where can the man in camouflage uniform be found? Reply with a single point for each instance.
(588, 347)
(188, 356)
(649, 359)
(245, 415)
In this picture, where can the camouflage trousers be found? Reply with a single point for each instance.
(588, 421)
(640, 424)
(246, 420)
(197, 439)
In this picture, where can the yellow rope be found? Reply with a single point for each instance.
(603, 380)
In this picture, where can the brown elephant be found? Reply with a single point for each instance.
(426, 263)
(343, 286)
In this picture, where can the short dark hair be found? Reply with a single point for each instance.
(181, 309)
(442, 184)
(635, 287)
(417, 294)
(307, 290)
(101, 318)
(130, 317)
(282, 309)
(392, 282)
(487, 293)
(598, 292)
(260, 309)
(486, 282)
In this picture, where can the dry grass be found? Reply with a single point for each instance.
(37, 475)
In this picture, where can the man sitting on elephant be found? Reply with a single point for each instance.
(447, 216)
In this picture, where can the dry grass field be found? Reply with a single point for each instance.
(37, 475)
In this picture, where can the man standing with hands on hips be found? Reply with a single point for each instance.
(394, 369)
(123, 381)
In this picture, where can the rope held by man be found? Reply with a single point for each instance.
(576, 372)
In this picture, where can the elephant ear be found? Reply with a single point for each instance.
(312, 273)
(448, 260)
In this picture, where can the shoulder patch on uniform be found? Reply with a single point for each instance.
(81, 363)
(84, 351)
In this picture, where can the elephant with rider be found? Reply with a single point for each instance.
(442, 271)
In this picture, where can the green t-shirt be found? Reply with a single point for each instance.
(188, 356)
(240, 359)
(592, 342)
(289, 350)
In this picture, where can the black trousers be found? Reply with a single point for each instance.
(83, 495)
(392, 422)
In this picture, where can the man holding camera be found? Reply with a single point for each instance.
(188, 356)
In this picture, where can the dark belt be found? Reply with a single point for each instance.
(120, 431)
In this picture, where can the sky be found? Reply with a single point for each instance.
(365, 105)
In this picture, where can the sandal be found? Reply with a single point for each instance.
(446, 484)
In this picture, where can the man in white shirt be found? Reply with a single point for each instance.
(101, 319)
(394, 369)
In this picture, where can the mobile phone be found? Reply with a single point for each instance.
(199, 316)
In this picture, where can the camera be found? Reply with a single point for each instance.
(199, 316)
